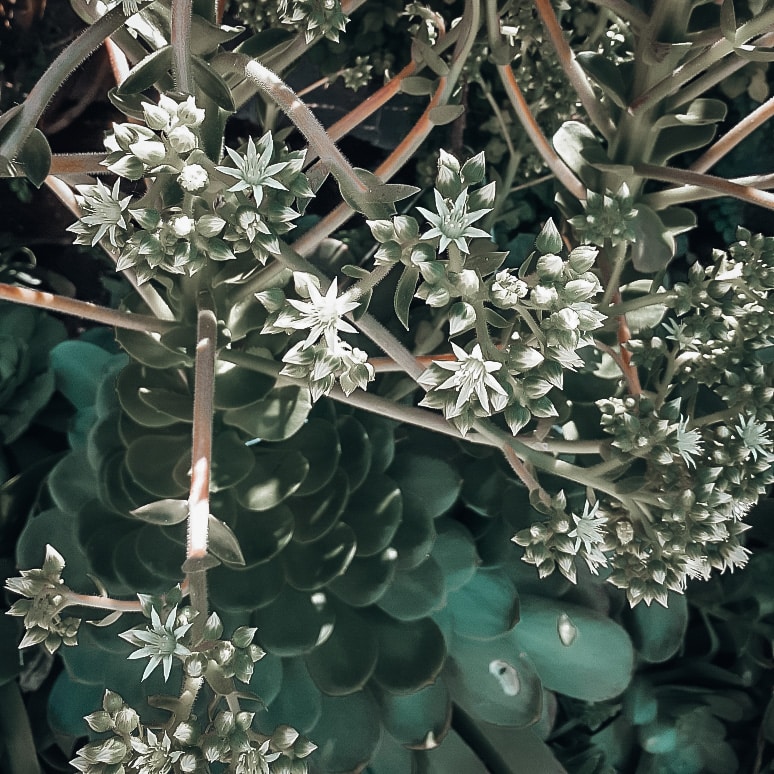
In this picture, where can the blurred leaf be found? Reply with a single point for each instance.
(486, 607)
(658, 632)
(318, 513)
(367, 579)
(318, 441)
(432, 482)
(494, 681)
(415, 593)
(606, 75)
(419, 718)
(312, 566)
(576, 669)
(151, 68)
(374, 513)
(345, 661)
(273, 478)
(277, 416)
(411, 654)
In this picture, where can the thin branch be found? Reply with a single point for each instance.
(562, 172)
(574, 71)
(201, 456)
(720, 185)
(180, 38)
(734, 136)
(84, 309)
(58, 71)
(694, 193)
(672, 83)
(716, 74)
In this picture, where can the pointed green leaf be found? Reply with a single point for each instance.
(146, 72)
(35, 154)
(212, 84)
(445, 114)
(404, 293)
(162, 512)
(223, 542)
(605, 74)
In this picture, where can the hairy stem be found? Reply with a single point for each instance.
(201, 457)
(573, 70)
(83, 309)
(303, 118)
(58, 72)
(180, 38)
(720, 185)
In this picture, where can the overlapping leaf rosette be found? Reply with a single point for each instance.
(370, 573)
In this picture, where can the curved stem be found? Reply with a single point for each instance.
(83, 309)
(562, 172)
(303, 118)
(720, 185)
(56, 74)
(694, 193)
(734, 136)
(573, 70)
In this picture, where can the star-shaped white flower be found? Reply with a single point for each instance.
(589, 528)
(322, 314)
(254, 172)
(159, 641)
(453, 222)
(472, 374)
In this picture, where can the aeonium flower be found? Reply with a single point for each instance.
(160, 642)
(103, 214)
(452, 222)
(253, 169)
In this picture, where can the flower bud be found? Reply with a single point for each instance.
(188, 114)
(182, 139)
(150, 152)
(155, 116)
(193, 178)
(182, 225)
(127, 720)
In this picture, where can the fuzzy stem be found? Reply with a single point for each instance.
(180, 38)
(694, 193)
(652, 299)
(734, 136)
(573, 70)
(58, 72)
(310, 127)
(201, 456)
(722, 186)
(83, 309)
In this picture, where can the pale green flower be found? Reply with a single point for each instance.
(453, 222)
(155, 756)
(254, 170)
(193, 177)
(160, 642)
(103, 214)
(320, 314)
(471, 377)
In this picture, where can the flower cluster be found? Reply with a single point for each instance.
(322, 357)
(232, 214)
(607, 218)
(45, 597)
(189, 745)
(317, 18)
(686, 519)
(550, 316)
(555, 542)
